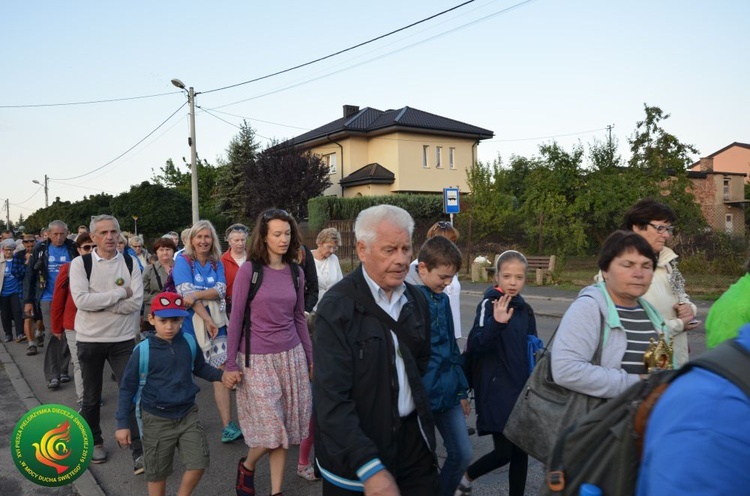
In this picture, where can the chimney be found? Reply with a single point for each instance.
(350, 110)
(706, 164)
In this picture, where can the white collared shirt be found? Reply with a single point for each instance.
(393, 308)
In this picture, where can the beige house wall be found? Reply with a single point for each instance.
(735, 159)
(401, 153)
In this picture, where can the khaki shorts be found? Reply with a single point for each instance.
(161, 436)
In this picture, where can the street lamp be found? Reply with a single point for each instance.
(135, 225)
(191, 141)
(46, 189)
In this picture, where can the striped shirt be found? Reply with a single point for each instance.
(639, 331)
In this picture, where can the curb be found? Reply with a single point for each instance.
(86, 484)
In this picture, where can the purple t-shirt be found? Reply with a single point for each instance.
(277, 315)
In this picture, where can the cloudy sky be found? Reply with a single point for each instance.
(530, 71)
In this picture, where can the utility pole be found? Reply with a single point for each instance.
(609, 144)
(46, 189)
(191, 141)
(7, 213)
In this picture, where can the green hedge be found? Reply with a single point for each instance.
(325, 208)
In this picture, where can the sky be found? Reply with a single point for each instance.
(530, 71)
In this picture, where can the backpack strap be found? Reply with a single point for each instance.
(158, 279)
(255, 279)
(143, 348)
(128, 262)
(87, 264)
(193, 348)
(730, 360)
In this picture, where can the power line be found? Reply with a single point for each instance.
(232, 124)
(319, 59)
(29, 198)
(256, 119)
(547, 137)
(126, 151)
(426, 40)
(90, 102)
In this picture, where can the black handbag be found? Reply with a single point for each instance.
(544, 409)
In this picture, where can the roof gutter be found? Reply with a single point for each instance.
(341, 168)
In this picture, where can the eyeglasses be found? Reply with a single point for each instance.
(87, 247)
(661, 229)
(444, 224)
(331, 247)
(237, 228)
(28, 240)
(275, 213)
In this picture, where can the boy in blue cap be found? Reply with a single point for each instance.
(167, 399)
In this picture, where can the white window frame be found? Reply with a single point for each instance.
(726, 188)
(452, 157)
(729, 223)
(331, 161)
(425, 156)
(438, 157)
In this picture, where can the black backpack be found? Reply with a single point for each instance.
(604, 446)
(88, 263)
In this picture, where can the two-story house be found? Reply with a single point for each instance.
(721, 196)
(373, 152)
(731, 158)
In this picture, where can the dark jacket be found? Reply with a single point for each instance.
(311, 279)
(502, 360)
(444, 379)
(355, 386)
(170, 390)
(36, 273)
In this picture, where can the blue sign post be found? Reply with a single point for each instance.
(451, 204)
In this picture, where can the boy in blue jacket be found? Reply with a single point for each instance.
(438, 261)
(167, 400)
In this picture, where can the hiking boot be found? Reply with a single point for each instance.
(40, 340)
(64, 378)
(245, 485)
(230, 433)
(99, 455)
(31, 351)
(54, 383)
(138, 467)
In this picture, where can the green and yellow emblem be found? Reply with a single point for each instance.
(52, 445)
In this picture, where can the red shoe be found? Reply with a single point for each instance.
(245, 485)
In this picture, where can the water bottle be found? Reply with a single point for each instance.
(589, 490)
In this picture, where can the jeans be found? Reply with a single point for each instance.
(70, 337)
(57, 354)
(91, 358)
(452, 427)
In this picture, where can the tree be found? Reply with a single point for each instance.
(282, 177)
(231, 184)
(159, 209)
(664, 161)
(490, 207)
(170, 176)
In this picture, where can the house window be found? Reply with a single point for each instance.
(438, 157)
(425, 150)
(726, 189)
(330, 161)
(728, 224)
(452, 158)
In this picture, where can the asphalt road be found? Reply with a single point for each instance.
(22, 387)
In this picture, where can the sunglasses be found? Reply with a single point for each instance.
(275, 213)
(661, 229)
(87, 247)
(238, 228)
(444, 224)
(28, 240)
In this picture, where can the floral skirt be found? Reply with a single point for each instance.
(274, 399)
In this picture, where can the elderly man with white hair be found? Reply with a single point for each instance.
(374, 429)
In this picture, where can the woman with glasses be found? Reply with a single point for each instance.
(274, 400)
(136, 243)
(63, 312)
(155, 275)
(199, 277)
(234, 257)
(654, 222)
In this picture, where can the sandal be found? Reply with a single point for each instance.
(307, 472)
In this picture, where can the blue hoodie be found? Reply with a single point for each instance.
(169, 391)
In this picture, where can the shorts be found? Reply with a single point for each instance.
(161, 436)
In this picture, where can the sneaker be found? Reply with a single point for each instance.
(230, 433)
(31, 351)
(54, 383)
(64, 378)
(462, 490)
(40, 340)
(99, 455)
(138, 467)
(307, 472)
(8, 339)
(20, 339)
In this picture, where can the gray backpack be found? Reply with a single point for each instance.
(604, 446)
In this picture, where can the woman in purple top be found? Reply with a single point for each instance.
(274, 400)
